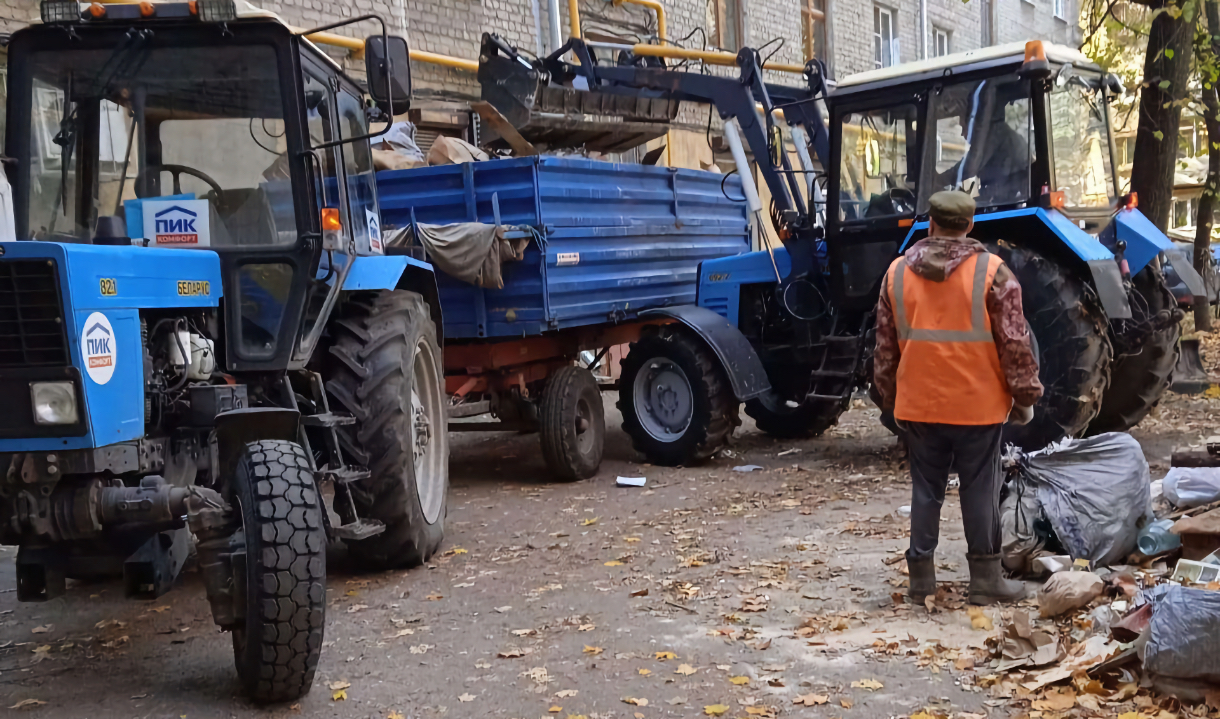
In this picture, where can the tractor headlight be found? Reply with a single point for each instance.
(54, 402)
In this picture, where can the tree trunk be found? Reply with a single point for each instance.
(1166, 71)
(1207, 201)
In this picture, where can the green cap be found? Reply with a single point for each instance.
(952, 209)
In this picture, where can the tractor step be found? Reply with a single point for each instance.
(327, 419)
(345, 475)
(825, 397)
(357, 530)
(831, 374)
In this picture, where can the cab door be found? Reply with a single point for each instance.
(872, 202)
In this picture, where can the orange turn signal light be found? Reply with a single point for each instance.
(1058, 200)
(97, 10)
(147, 9)
(907, 222)
(192, 7)
(330, 219)
(1132, 201)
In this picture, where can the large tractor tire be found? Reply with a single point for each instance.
(677, 405)
(1144, 363)
(788, 413)
(386, 371)
(277, 645)
(1073, 347)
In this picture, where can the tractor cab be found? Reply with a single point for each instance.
(196, 126)
(1019, 127)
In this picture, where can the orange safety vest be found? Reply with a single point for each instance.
(949, 368)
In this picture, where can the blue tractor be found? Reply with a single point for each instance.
(200, 332)
(788, 331)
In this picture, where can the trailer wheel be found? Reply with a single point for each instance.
(1141, 375)
(572, 425)
(386, 371)
(1074, 351)
(278, 643)
(677, 405)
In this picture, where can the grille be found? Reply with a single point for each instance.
(31, 316)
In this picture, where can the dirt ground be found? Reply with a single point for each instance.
(707, 592)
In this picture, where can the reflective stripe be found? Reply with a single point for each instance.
(978, 331)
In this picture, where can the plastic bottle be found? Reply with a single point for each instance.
(1157, 539)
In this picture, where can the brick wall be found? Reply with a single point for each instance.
(15, 14)
(1020, 20)
(853, 25)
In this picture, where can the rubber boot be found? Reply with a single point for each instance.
(987, 582)
(923, 578)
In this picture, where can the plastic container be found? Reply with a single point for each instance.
(1157, 539)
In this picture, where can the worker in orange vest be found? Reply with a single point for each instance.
(953, 362)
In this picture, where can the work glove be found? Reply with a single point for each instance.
(1020, 415)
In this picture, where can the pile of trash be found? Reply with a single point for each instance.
(1132, 602)
(397, 149)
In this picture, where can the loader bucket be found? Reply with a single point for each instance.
(556, 117)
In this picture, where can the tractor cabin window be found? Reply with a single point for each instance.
(874, 163)
(1080, 143)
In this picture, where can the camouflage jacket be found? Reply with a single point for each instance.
(935, 258)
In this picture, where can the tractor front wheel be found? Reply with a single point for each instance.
(677, 405)
(277, 644)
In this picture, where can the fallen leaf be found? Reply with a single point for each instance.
(554, 709)
(764, 644)
(482, 664)
(422, 648)
(539, 674)
(524, 632)
(105, 623)
(640, 593)
(685, 670)
(639, 702)
(355, 607)
(871, 684)
(401, 633)
(611, 563)
(715, 710)
(765, 712)
(811, 700)
(593, 650)
(979, 619)
(666, 655)
(336, 686)
(43, 629)
(589, 522)
(513, 653)
(339, 696)
(739, 681)
(456, 550)
(463, 697)
(395, 715)
(645, 672)
(964, 663)
(434, 597)
(586, 628)
(27, 703)
(1056, 701)
(565, 693)
(845, 703)
(463, 585)
(503, 609)
(631, 540)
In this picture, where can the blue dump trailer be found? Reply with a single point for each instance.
(611, 251)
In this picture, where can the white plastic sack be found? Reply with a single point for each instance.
(1192, 486)
(1094, 492)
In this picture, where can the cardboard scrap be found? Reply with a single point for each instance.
(1021, 645)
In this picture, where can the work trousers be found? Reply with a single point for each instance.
(973, 451)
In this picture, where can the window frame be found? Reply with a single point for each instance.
(730, 18)
(885, 54)
(1059, 9)
(814, 28)
(937, 34)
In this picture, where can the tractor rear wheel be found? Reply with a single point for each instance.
(677, 405)
(1073, 348)
(277, 644)
(386, 371)
(1144, 363)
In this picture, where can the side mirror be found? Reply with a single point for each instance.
(388, 69)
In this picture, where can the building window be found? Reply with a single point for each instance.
(940, 42)
(730, 24)
(1061, 9)
(885, 37)
(1183, 212)
(813, 23)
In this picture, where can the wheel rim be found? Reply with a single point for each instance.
(427, 441)
(583, 424)
(664, 402)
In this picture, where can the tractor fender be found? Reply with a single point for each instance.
(398, 272)
(745, 370)
(1056, 236)
(1144, 242)
(237, 428)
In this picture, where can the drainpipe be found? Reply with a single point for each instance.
(923, 29)
(554, 25)
(538, 41)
